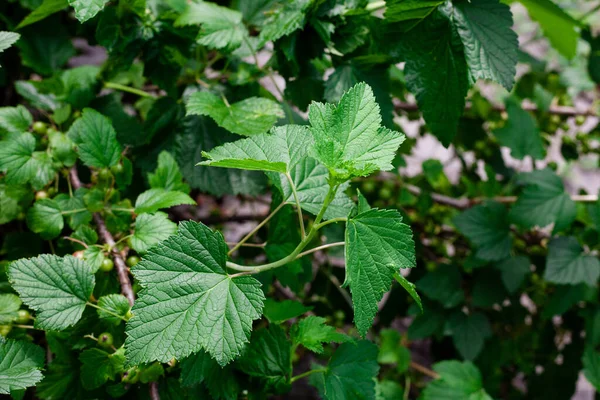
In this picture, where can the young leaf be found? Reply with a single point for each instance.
(520, 133)
(151, 229)
(99, 366)
(248, 117)
(200, 306)
(7, 39)
(201, 368)
(349, 139)
(15, 119)
(96, 139)
(280, 311)
(57, 288)
(115, 304)
(167, 174)
(94, 256)
(9, 307)
(568, 264)
(407, 10)
(47, 8)
(378, 244)
(457, 381)
(469, 333)
(87, 9)
(487, 226)
(312, 332)
(45, 218)
(20, 364)
(489, 43)
(410, 288)
(153, 200)
(23, 164)
(543, 202)
(285, 20)
(74, 208)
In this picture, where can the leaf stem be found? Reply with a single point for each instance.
(298, 208)
(77, 210)
(106, 311)
(307, 373)
(253, 231)
(323, 247)
(123, 88)
(26, 327)
(84, 244)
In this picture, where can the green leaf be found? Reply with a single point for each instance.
(567, 263)
(99, 366)
(311, 332)
(558, 26)
(7, 39)
(391, 350)
(543, 202)
(410, 288)
(520, 133)
(20, 364)
(10, 196)
(378, 244)
(45, 218)
(167, 174)
(74, 208)
(87, 9)
(469, 333)
(267, 357)
(284, 21)
(407, 10)
(22, 163)
(189, 302)
(153, 200)
(47, 8)
(62, 148)
(96, 139)
(458, 380)
(514, 270)
(94, 256)
(222, 27)
(46, 47)
(444, 285)
(250, 116)
(151, 229)
(591, 367)
(436, 64)
(15, 119)
(351, 372)
(9, 307)
(57, 288)
(115, 304)
(348, 137)
(201, 368)
(280, 311)
(487, 227)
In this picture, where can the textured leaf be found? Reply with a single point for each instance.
(57, 288)
(47, 8)
(7, 39)
(457, 381)
(87, 9)
(99, 366)
(94, 256)
(410, 288)
(9, 307)
(490, 45)
(469, 333)
(22, 163)
(45, 218)
(312, 332)
(514, 270)
(115, 304)
(151, 229)
(280, 311)
(153, 200)
(406, 10)
(568, 264)
(250, 116)
(520, 133)
(46, 47)
(349, 139)
(74, 208)
(436, 64)
(285, 20)
(443, 285)
(543, 202)
(167, 174)
(487, 227)
(20, 364)
(378, 244)
(591, 367)
(96, 139)
(201, 368)
(189, 302)
(15, 119)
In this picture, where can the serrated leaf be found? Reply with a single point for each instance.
(280, 311)
(74, 208)
(46, 47)
(201, 368)
(57, 288)
(9, 307)
(311, 332)
(62, 148)
(87, 9)
(410, 289)
(378, 244)
(115, 304)
(443, 285)
(567, 263)
(20, 364)
(457, 381)
(490, 45)
(189, 302)
(283, 21)
(520, 133)
(153, 200)
(167, 175)
(469, 333)
(151, 229)
(407, 10)
(99, 366)
(514, 270)
(47, 8)
(348, 137)
(248, 117)
(15, 119)
(94, 256)
(45, 218)
(591, 367)
(96, 139)
(23, 164)
(222, 27)
(487, 227)
(7, 39)
(543, 202)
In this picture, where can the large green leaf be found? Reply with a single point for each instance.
(513, 271)
(378, 244)
(457, 381)
(487, 226)
(567, 263)
(87, 9)
(20, 364)
(96, 139)
(167, 174)
(591, 367)
(153, 200)
(348, 137)
(22, 163)
(285, 19)
(250, 116)
(469, 333)
(15, 119)
(312, 332)
(490, 45)
(520, 133)
(151, 229)
(189, 302)
(200, 368)
(47, 8)
(57, 288)
(280, 311)
(99, 366)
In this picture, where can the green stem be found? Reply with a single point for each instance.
(130, 210)
(106, 311)
(332, 221)
(323, 247)
(123, 88)
(297, 199)
(307, 373)
(253, 231)
(26, 327)
(78, 210)
(375, 5)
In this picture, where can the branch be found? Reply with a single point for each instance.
(106, 236)
(424, 370)
(154, 391)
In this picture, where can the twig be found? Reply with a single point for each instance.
(554, 109)
(106, 236)
(322, 247)
(424, 370)
(154, 391)
(253, 231)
